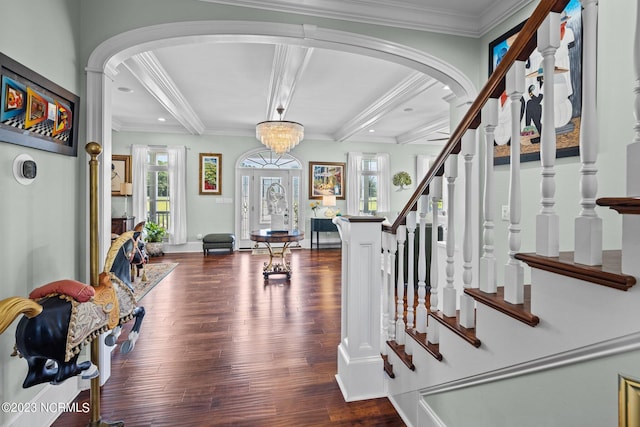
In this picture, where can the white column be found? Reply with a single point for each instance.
(631, 223)
(421, 308)
(514, 271)
(588, 226)
(360, 367)
(401, 235)
(547, 221)
(435, 191)
(488, 278)
(411, 229)
(449, 294)
(467, 303)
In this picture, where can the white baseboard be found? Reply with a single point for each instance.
(48, 405)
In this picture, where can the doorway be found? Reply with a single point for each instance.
(255, 172)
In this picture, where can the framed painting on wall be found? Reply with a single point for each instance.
(326, 179)
(567, 81)
(35, 112)
(120, 172)
(210, 174)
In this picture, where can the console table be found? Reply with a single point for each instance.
(268, 237)
(120, 225)
(324, 225)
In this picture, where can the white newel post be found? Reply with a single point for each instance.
(631, 223)
(435, 191)
(467, 303)
(401, 235)
(421, 309)
(411, 230)
(392, 247)
(384, 293)
(449, 294)
(547, 221)
(588, 226)
(488, 277)
(360, 367)
(514, 271)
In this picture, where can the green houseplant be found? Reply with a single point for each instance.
(401, 179)
(154, 234)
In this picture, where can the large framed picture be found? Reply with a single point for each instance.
(120, 172)
(35, 112)
(210, 174)
(567, 81)
(326, 179)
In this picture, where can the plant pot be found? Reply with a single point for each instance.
(155, 248)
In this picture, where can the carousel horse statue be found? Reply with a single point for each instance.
(63, 316)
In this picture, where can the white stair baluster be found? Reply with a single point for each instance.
(488, 278)
(435, 191)
(514, 271)
(449, 294)
(547, 221)
(588, 226)
(411, 229)
(401, 235)
(467, 303)
(421, 309)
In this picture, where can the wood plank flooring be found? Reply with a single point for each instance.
(220, 346)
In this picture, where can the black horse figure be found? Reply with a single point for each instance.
(63, 316)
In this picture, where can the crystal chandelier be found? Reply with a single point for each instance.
(281, 135)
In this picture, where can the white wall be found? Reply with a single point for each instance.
(42, 223)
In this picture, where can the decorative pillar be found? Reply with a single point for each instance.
(401, 235)
(588, 226)
(360, 367)
(547, 221)
(514, 271)
(488, 281)
(449, 294)
(435, 191)
(467, 303)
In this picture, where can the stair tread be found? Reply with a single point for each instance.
(623, 205)
(388, 367)
(453, 324)
(608, 274)
(521, 312)
(421, 338)
(399, 350)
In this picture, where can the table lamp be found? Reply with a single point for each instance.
(126, 189)
(329, 201)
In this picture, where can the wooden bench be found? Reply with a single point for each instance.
(218, 241)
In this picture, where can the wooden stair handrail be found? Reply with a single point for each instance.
(521, 49)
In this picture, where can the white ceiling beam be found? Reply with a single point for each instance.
(151, 74)
(433, 129)
(289, 64)
(406, 90)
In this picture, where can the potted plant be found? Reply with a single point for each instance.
(401, 179)
(154, 235)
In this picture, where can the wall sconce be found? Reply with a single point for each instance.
(126, 189)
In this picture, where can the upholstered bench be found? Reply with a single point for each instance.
(218, 241)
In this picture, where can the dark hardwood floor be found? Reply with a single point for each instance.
(220, 346)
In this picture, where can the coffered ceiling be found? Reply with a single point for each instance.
(225, 88)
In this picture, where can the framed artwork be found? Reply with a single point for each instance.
(567, 81)
(628, 401)
(326, 179)
(35, 112)
(120, 172)
(210, 174)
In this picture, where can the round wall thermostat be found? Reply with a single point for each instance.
(24, 169)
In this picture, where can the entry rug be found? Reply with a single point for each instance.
(155, 273)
